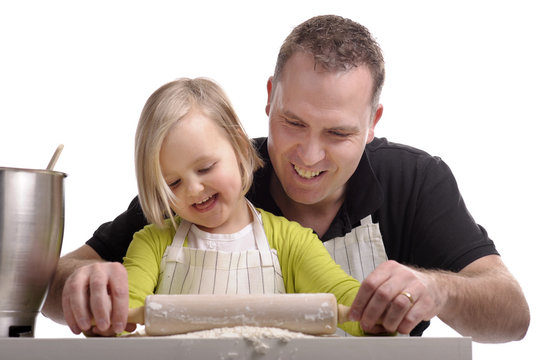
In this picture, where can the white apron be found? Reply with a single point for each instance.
(359, 252)
(186, 270)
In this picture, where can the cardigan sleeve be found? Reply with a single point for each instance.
(142, 261)
(306, 265)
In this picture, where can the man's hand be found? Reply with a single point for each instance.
(395, 297)
(89, 295)
(97, 294)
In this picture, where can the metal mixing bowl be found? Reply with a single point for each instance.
(31, 232)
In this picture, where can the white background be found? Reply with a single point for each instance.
(463, 83)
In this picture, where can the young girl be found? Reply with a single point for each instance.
(194, 163)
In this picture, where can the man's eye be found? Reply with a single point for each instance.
(339, 134)
(294, 123)
(174, 184)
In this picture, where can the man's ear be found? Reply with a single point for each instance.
(269, 91)
(375, 120)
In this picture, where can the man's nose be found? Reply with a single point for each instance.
(311, 151)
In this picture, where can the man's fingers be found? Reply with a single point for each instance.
(68, 316)
(376, 309)
(119, 294)
(394, 297)
(368, 288)
(424, 308)
(75, 302)
(100, 303)
(396, 313)
(95, 299)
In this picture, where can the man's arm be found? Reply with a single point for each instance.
(86, 288)
(483, 300)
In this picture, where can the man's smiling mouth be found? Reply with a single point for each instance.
(306, 174)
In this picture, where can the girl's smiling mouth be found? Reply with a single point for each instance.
(206, 204)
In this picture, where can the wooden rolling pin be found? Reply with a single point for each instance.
(315, 314)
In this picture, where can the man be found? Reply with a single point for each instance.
(390, 215)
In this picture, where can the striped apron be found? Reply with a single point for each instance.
(359, 252)
(185, 270)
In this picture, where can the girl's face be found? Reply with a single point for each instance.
(201, 168)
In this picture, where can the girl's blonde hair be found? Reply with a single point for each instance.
(167, 106)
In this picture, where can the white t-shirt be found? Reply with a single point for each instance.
(240, 241)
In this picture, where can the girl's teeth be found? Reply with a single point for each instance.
(205, 200)
(307, 174)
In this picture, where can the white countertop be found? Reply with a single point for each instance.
(381, 348)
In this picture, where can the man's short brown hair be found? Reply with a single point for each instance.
(337, 44)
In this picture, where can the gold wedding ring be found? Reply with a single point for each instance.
(408, 295)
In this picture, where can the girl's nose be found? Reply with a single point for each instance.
(194, 187)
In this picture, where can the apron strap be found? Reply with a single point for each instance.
(260, 238)
(267, 265)
(182, 233)
(367, 220)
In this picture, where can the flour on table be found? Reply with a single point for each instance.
(237, 332)
(255, 335)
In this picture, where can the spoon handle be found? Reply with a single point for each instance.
(55, 157)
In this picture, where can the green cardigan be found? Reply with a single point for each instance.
(306, 265)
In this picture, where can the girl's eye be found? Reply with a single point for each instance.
(174, 184)
(206, 169)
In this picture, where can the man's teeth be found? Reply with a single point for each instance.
(307, 174)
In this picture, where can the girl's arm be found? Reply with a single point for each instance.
(142, 262)
(307, 266)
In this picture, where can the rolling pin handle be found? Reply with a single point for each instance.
(343, 312)
(136, 315)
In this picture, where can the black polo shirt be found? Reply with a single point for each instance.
(412, 196)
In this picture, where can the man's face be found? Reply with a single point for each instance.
(319, 125)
